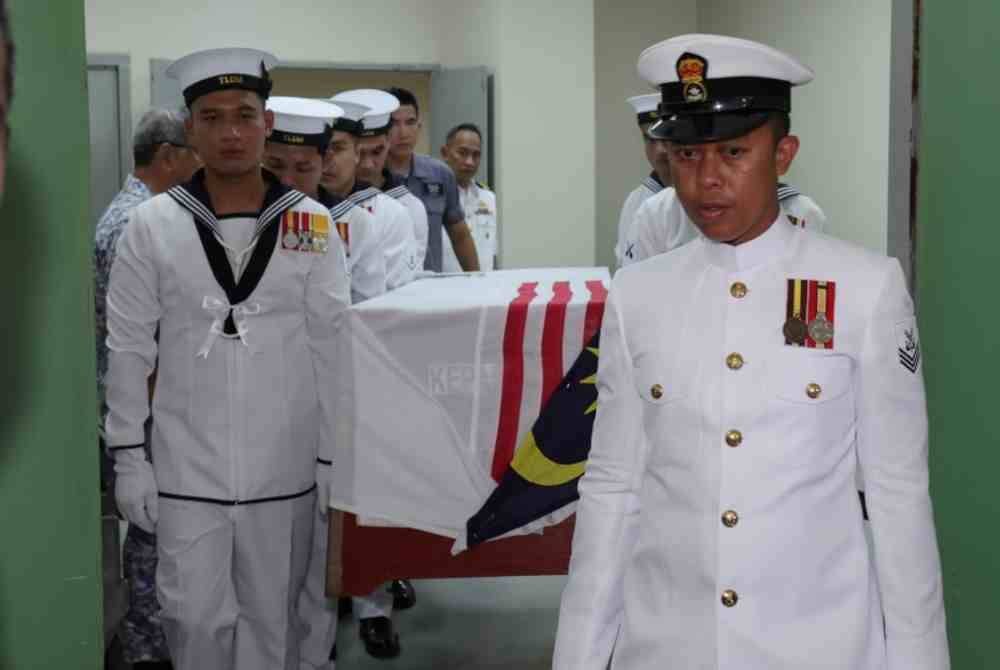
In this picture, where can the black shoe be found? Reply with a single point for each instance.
(404, 596)
(344, 607)
(153, 665)
(381, 641)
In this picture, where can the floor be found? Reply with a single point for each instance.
(464, 624)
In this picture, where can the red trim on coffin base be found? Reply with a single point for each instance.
(375, 555)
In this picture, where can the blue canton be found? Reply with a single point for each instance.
(109, 229)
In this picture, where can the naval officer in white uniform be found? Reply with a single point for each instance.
(744, 379)
(231, 286)
(645, 107)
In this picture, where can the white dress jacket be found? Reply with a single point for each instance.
(723, 468)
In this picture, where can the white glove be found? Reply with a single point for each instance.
(135, 488)
(324, 475)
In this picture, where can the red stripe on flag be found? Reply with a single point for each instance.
(595, 310)
(552, 339)
(512, 388)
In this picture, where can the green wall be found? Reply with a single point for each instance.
(50, 592)
(958, 274)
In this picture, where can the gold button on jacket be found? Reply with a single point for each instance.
(734, 361)
(814, 391)
(738, 290)
(730, 519)
(734, 438)
(656, 391)
(730, 598)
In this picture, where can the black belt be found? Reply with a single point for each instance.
(238, 503)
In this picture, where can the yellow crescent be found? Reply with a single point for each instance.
(537, 468)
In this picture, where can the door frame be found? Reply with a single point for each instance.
(903, 135)
(122, 65)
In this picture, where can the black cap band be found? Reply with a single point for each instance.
(731, 94)
(320, 140)
(224, 82)
(348, 126)
(373, 132)
(652, 116)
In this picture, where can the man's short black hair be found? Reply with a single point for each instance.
(464, 127)
(405, 97)
(781, 124)
(8, 45)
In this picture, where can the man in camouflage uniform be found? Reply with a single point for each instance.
(162, 160)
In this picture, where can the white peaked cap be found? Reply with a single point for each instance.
(727, 57)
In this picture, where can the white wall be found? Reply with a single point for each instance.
(542, 55)
(346, 31)
(545, 132)
(842, 117)
(623, 28)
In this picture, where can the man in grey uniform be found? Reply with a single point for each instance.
(433, 182)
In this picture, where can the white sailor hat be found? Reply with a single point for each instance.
(303, 122)
(645, 107)
(378, 117)
(220, 69)
(715, 87)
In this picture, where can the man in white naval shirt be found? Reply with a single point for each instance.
(661, 224)
(295, 153)
(373, 150)
(462, 151)
(657, 156)
(232, 286)
(744, 378)
(374, 611)
(392, 222)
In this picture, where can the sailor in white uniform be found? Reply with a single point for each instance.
(295, 153)
(645, 107)
(373, 150)
(231, 286)
(661, 224)
(744, 378)
(392, 221)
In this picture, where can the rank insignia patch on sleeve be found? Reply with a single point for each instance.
(909, 346)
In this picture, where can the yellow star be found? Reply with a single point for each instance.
(592, 379)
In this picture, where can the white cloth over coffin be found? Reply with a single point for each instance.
(421, 391)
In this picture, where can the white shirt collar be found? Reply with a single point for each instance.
(771, 246)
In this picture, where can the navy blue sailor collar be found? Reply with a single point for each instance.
(653, 183)
(194, 197)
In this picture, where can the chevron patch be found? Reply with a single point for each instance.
(909, 346)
